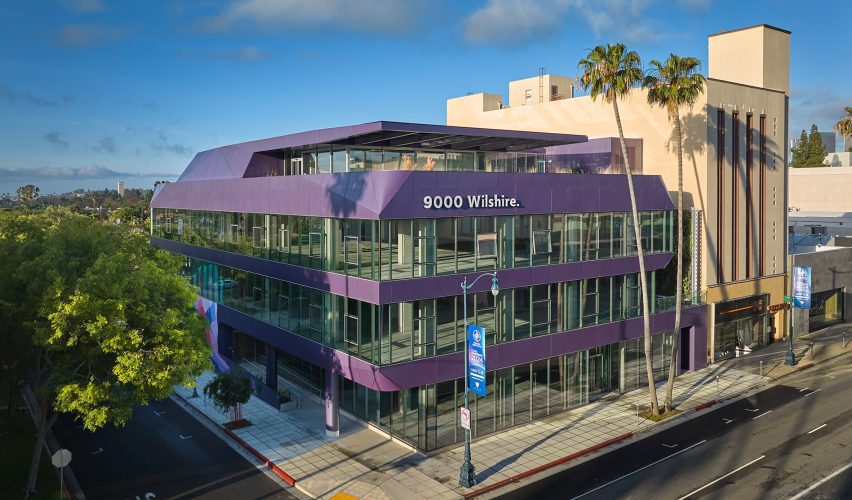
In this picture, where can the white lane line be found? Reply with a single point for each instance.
(762, 414)
(818, 428)
(99, 450)
(669, 445)
(184, 437)
(727, 420)
(803, 389)
(822, 481)
(723, 477)
(813, 392)
(159, 413)
(753, 411)
(640, 470)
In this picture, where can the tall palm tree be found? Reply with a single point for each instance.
(610, 71)
(844, 126)
(673, 84)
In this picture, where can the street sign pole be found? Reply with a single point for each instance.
(60, 460)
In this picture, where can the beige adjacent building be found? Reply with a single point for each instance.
(735, 171)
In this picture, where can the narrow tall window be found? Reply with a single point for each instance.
(762, 197)
(749, 202)
(735, 198)
(720, 194)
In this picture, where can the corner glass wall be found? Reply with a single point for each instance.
(826, 309)
(741, 325)
(394, 333)
(404, 249)
(427, 416)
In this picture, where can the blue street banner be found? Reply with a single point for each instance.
(802, 287)
(476, 359)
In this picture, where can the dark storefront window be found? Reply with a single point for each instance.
(741, 325)
(827, 308)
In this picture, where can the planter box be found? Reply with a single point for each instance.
(290, 405)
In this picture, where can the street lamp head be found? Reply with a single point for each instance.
(494, 288)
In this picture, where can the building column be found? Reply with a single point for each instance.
(332, 409)
(272, 368)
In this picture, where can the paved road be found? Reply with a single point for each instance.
(775, 444)
(163, 452)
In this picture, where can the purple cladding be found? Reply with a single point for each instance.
(399, 194)
(451, 366)
(230, 162)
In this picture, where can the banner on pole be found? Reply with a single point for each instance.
(802, 287)
(476, 359)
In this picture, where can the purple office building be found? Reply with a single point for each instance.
(331, 263)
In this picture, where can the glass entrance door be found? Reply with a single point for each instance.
(598, 375)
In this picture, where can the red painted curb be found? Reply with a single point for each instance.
(546, 466)
(287, 478)
(805, 367)
(706, 405)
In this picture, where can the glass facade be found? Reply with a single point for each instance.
(402, 249)
(393, 333)
(826, 309)
(427, 416)
(741, 325)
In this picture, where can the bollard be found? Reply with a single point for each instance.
(717, 388)
(811, 346)
(638, 421)
(761, 369)
(844, 340)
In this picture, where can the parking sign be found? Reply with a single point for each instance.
(464, 413)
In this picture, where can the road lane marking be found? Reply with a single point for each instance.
(727, 420)
(822, 481)
(100, 450)
(669, 445)
(184, 437)
(643, 468)
(723, 477)
(762, 414)
(803, 389)
(753, 411)
(818, 428)
(813, 392)
(158, 413)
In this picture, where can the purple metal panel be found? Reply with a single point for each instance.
(399, 194)
(451, 366)
(389, 292)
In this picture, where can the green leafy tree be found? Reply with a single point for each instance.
(27, 193)
(110, 323)
(674, 84)
(611, 71)
(229, 390)
(816, 149)
(800, 152)
(844, 126)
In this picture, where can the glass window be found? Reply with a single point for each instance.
(324, 162)
(338, 161)
(445, 230)
(523, 245)
(358, 160)
(604, 223)
(574, 238)
(430, 160)
(618, 234)
(590, 302)
(465, 244)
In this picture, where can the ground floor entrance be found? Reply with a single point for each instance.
(741, 326)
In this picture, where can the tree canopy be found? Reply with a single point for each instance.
(27, 193)
(108, 321)
(811, 150)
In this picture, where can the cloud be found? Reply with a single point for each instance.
(163, 145)
(93, 171)
(520, 22)
(246, 54)
(89, 35)
(695, 4)
(513, 22)
(274, 16)
(15, 96)
(107, 144)
(56, 140)
(815, 105)
(85, 6)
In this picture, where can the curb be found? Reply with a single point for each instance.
(805, 367)
(287, 478)
(704, 406)
(546, 466)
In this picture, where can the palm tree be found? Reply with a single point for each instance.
(27, 193)
(673, 84)
(844, 126)
(610, 71)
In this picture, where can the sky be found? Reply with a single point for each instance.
(96, 91)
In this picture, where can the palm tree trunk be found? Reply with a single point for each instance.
(673, 366)
(643, 283)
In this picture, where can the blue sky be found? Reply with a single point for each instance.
(93, 91)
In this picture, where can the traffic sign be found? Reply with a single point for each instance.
(788, 298)
(464, 413)
(61, 458)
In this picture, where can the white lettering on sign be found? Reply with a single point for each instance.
(470, 201)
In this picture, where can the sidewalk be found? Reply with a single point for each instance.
(365, 463)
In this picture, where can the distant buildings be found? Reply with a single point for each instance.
(120, 189)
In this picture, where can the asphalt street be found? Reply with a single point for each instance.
(163, 452)
(790, 439)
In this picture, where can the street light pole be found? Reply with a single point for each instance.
(467, 473)
(790, 358)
